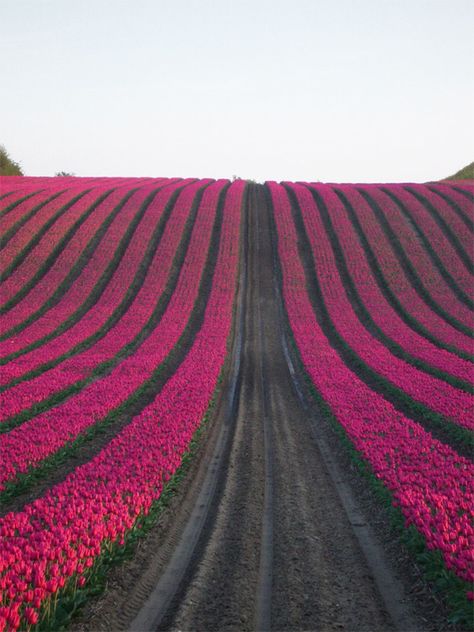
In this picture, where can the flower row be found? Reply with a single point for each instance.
(128, 326)
(56, 274)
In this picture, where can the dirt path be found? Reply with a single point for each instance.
(277, 550)
(266, 535)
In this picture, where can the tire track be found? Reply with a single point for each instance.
(265, 580)
(211, 534)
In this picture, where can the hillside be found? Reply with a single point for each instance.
(272, 382)
(466, 173)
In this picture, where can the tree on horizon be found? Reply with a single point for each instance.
(8, 167)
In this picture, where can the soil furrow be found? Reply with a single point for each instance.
(410, 271)
(387, 291)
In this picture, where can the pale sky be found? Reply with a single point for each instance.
(330, 90)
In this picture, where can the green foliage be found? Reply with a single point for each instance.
(466, 173)
(64, 174)
(8, 167)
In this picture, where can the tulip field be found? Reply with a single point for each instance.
(429, 479)
(146, 317)
(117, 302)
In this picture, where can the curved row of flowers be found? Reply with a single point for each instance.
(39, 234)
(25, 221)
(27, 198)
(429, 481)
(461, 205)
(36, 257)
(43, 290)
(113, 293)
(415, 232)
(394, 274)
(439, 255)
(451, 216)
(131, 323)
